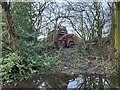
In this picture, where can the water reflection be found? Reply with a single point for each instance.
(68, 82)
(80, 82)
(93, 82)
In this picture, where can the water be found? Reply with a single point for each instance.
(67, 82)
(94, 82)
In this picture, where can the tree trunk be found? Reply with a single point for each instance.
(117, 34)
(117, 38)
(112, 31)
(83, 32)
(10, 25)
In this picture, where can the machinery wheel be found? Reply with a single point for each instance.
(71, 44)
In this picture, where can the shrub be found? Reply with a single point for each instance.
(50, 61)
(11, 67)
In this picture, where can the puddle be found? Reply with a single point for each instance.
(65, 81)
(94, 82)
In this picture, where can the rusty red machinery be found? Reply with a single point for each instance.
(63, 39)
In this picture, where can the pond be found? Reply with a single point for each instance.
(66, 81)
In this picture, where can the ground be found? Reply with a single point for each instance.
(75, 62)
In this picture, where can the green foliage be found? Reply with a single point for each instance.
(22, 15)
(80, 60)
(11, 66)
(50, 61)
(16, 66)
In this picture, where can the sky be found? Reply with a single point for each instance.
(70, 29)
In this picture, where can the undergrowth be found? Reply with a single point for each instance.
(82, 61)
(15, 67)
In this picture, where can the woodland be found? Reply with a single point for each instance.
(27, 39)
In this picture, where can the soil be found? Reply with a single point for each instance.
(91, 66)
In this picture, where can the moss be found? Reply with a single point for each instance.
(117, 34)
